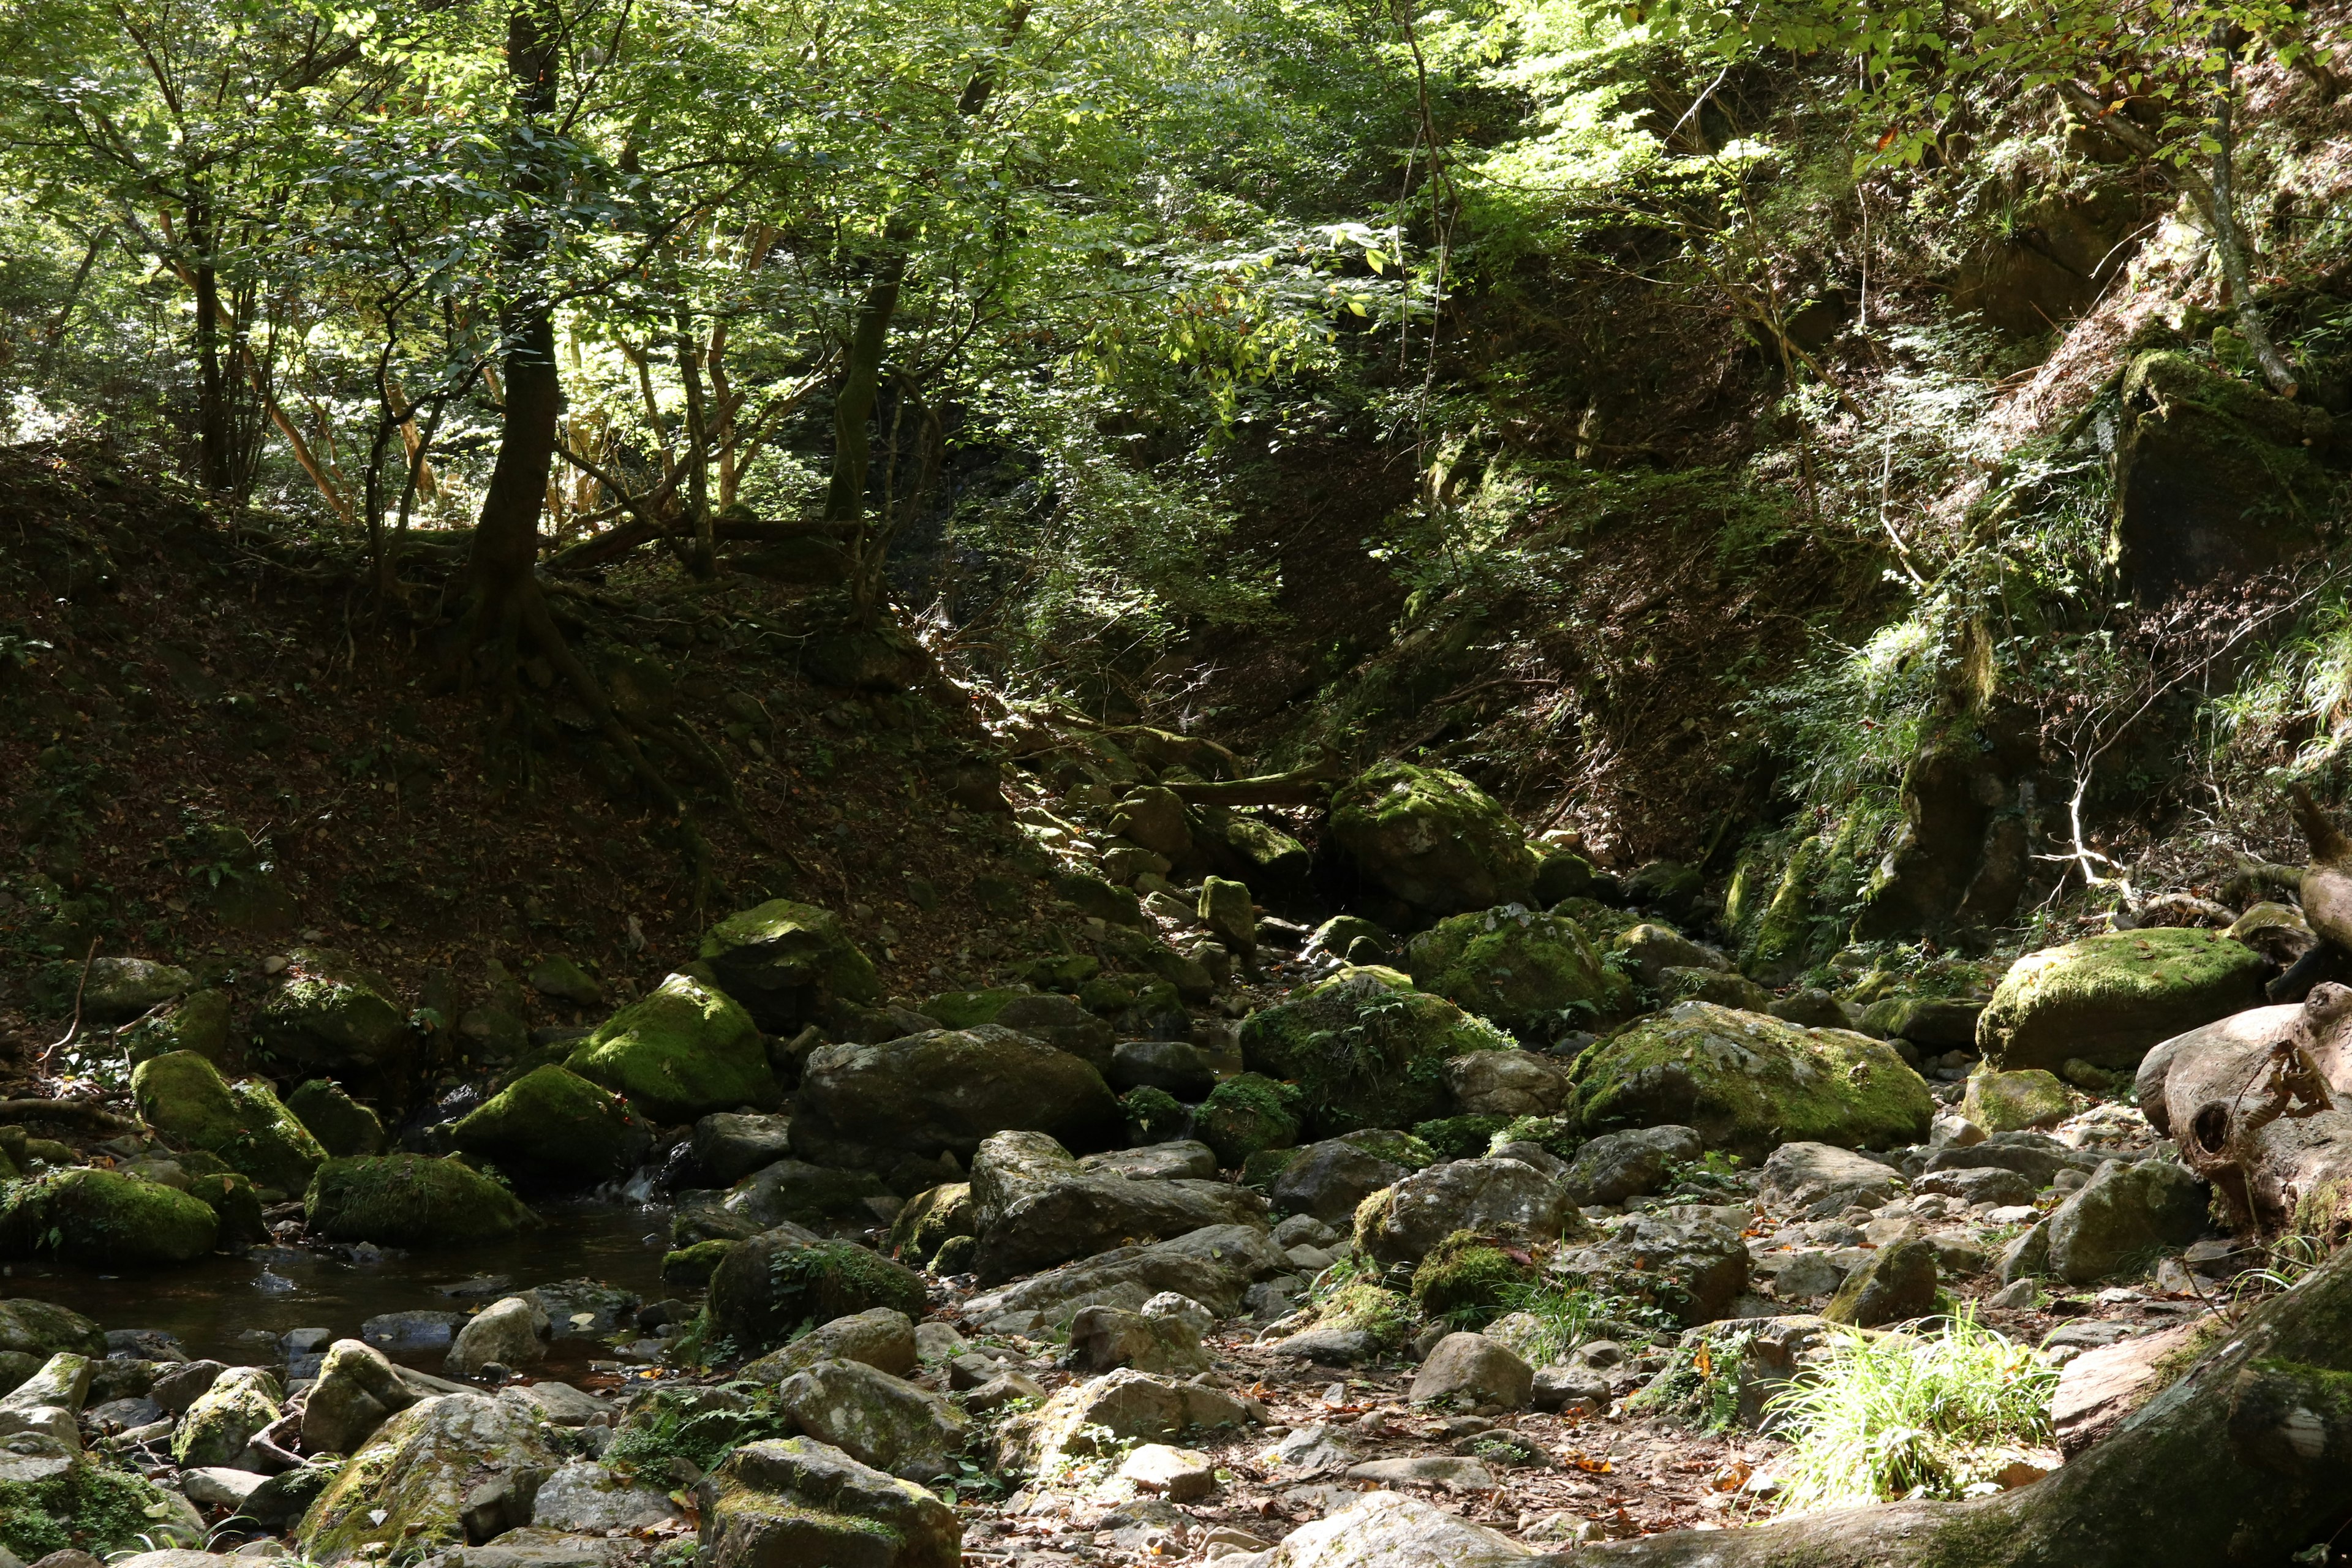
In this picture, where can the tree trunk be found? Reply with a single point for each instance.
(2246, 1460)
(702, 560)
(214, 441)
(2229, 246)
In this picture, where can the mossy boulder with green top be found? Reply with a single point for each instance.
(1532, 974)
(551, 1128)
(183, 1097)
(410, 1200)
(2013, 1101)
(1432, 839)
(769, 1287)
(1749, 1082)
(406, 1489)
(104, 1217)
(44, 1329)
(682, 1052)
(335, 1016)
(343, 1126)
(969, 1009)
(786, 962)
(1365, 1049)
(1247, 1114)
(2106, 999)
(197, 1022)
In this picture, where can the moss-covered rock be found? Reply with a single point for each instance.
(1466, 1280)
(1246, 1114)
(198, 1023)
(930, 1219)
(1782, 941)
(236, 1205)
(1459, 1137)
(2013, 1101)
(1153, 1116)
(1749, 1082)
(216, 1428)
(90, 1506)
(1362, 1306)
(182, 1096)
(405, 1489)
(1534, 974)
(785, 962)
(104, 1217)
(682, 1052)
(551, 1128)
(334, 1017)
(1365, 1049)
(410, 1200)
(2107, 998)
(944, 1092)
(343, 1126)
(770, 1287)
(44, 1329)
(692, 1267)
(968, 1009)
(1432, 839)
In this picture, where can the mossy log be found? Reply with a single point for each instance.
(2242, 1461)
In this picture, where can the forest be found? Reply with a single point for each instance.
(1347, 785)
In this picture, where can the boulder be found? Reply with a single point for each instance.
(1364, 1049)
(343, 1126)
(1103, 1337)
(1619, 1166)
(1247, 1114)
(1176, 1160)
(2036, 1157)
(881, 1337)
(1934, 1023)
(929, 1219)
(1118, 1408)
(1473, 1371)
(198, 1023)
(587, 1499)
(769, 1286)
(241, 1402)
(1402, 1223)
(943, 1092)
(729, 1146)
(42, 1328)
(2106, 999)
(1153, 818)
(1224, 908)
(1689, 1261)
(1062, 1023)
(358, 1390)
(410, 1200)
(2124, 1217)
(1509, 1084)
(333, 1016)
(1532, 974)
(795, 1191)
(799, 1503)
(786, 963)
(1330, 1178)
(176, 1388)
(1176, 1067)
(183, 1097)
(876, 1418)
(1989, 1185)
(1035, 1206)
(409, 1487)
(105, 1219)
(1652, 950)
(1394, 1530)
(681, 1052)
(1897, 1283)
(1819, 1179)
(1431, 839)
(1749, 1082)
(115, 991)
(511, 1332)
(1214, 1266)
(2007, 1102)
(49, 1402)
(551, 1129)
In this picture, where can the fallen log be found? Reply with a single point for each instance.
(2246, 1459)
(1309, 787)
(66, 1111)
(614, 543)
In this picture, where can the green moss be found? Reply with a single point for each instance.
(182, 1096)
(956, 1255)
(410, 1200)
(1362, 1306)
(1561, 1136)
(105, 1218)
(969, 1009)
(236, 1204)
(1460, 1137)
(701, 1426)
(343, 1126)
(553, 1128)
(786, 960)
(333, 1014)
(1784, 939)
(1467, 1279)
(1601, 924)
(768, 1288)
(92, 1508)
(2107, 998)
(1433, 838)
(198, 1023)
(2011, 1102)
(929, 1219)
(692, 1267)
(1247, 1114)
(1534, 974)
(683, 1052)
(1365, 1049)
(1397, 1147)
(1153, 1115)
(1749, 1082)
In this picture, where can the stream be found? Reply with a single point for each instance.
(225, 1307)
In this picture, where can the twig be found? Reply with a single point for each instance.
(75, 1027)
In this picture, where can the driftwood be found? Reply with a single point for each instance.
(2246, 1460)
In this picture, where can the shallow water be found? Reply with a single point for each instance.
(213, 1306)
